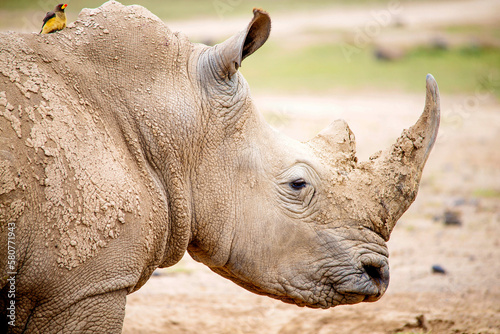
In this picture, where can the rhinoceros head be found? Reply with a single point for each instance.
(302, 222)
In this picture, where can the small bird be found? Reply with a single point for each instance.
(55, 20)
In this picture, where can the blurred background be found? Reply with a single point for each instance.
(320, 46)
(366, 62)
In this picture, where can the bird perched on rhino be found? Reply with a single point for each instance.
(55, 20)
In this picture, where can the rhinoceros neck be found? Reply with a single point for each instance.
(131, 71)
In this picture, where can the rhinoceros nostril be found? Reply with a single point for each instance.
(374, 272)
(378, 273)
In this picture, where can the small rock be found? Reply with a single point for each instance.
(437, 269)
(439, 43)
(459, 201)
(388, 53)
(452, 217)
(421, 323)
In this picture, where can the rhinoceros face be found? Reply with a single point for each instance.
(302, 222)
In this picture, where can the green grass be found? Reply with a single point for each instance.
(489, 31)
(486, 193)
(320, 68)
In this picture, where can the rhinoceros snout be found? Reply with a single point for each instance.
(369, 283)
(378, 279)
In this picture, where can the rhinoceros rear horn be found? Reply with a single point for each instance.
(231, 52)
(398, 170)
(336, 143)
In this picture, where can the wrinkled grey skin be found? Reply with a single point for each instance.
(123, 146)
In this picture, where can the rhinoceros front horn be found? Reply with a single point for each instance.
(398, 170)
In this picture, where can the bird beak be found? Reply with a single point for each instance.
(64, 6)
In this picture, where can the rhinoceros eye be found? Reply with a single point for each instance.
(298, 184)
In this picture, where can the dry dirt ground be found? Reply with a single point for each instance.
(461, 176)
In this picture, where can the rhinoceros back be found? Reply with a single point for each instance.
(65, 179)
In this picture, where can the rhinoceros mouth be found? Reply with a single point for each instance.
(366, 285)
(338, 271)
(335, 298)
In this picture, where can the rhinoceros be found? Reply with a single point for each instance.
(123, 145)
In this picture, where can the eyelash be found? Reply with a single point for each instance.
(297, 184)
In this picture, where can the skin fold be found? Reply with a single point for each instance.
(123, 145)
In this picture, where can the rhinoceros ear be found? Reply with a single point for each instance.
(231, 52)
